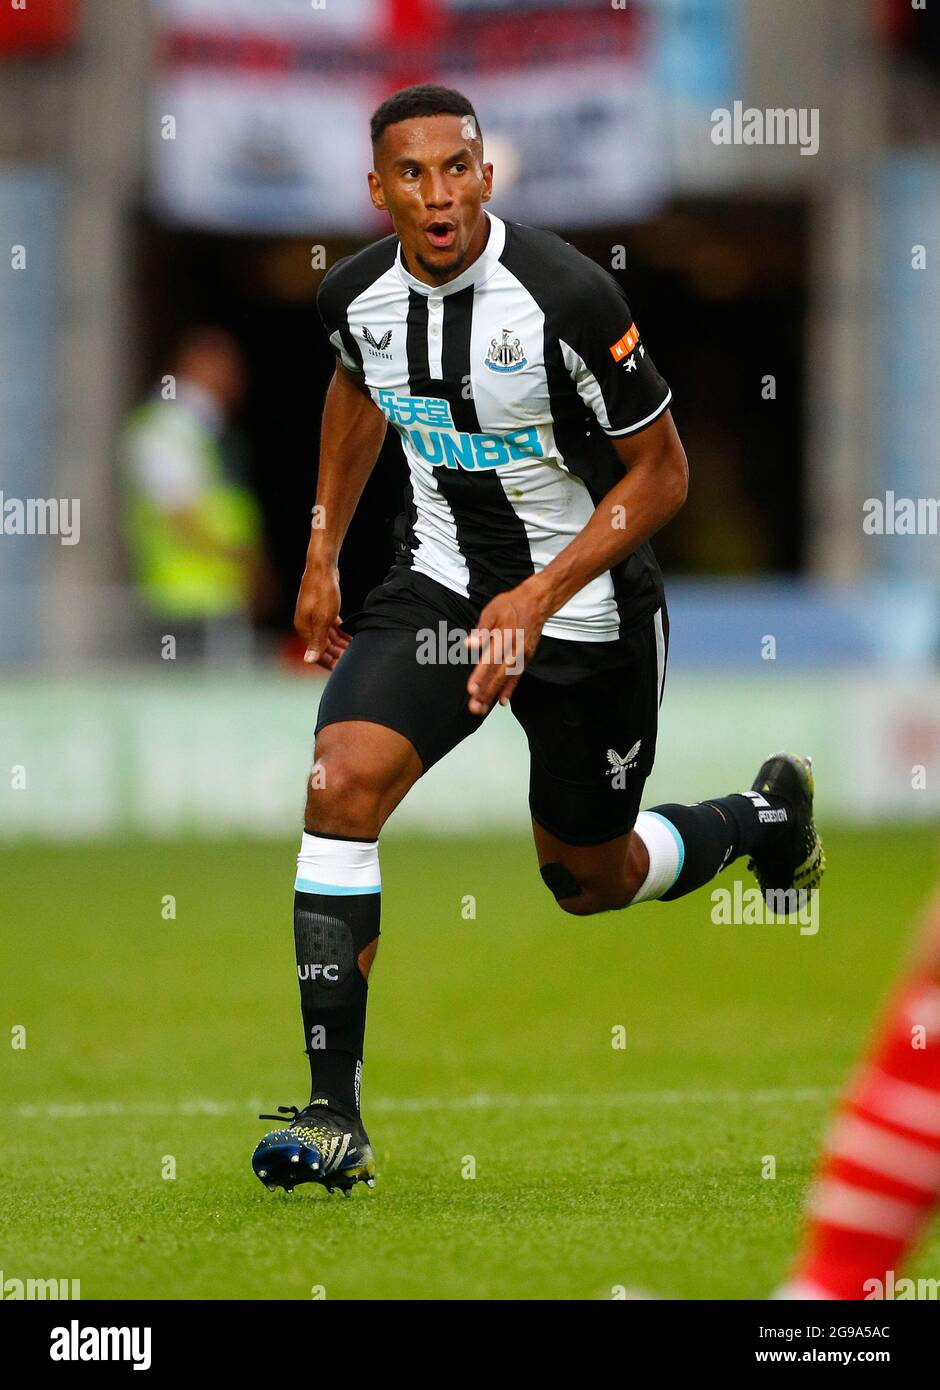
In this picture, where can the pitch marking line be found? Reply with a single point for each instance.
(80, 1110)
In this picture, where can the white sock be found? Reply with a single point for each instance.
(666, 851)
(337, 867)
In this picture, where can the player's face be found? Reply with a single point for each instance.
(431, 179)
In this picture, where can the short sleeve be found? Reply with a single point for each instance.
(607, 359)
(332, 306)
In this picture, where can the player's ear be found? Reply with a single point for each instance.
(487, 183)
(375, 192)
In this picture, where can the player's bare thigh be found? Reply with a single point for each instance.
(360, 774)
(606, 876)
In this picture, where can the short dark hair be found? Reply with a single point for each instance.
(425, 99)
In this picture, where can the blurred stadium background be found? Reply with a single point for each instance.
(189, 163)
(185, 162)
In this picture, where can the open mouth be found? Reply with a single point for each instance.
(441, 234)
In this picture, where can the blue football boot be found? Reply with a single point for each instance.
(320, 1144)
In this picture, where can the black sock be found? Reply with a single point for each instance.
(714, 833)
(759, 819)
(331, 928)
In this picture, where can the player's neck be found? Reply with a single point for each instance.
(475, 250)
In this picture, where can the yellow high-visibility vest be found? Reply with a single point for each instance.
(175, 578)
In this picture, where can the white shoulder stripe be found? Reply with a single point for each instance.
(589, 388)
(638, 424)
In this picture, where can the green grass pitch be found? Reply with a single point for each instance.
(151, 1042)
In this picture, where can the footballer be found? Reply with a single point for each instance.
(542, 456)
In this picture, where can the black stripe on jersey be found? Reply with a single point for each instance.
(410, 516)
(458, 322)
(416, 339)
(490, 534)
(349, 342)
(586, 450)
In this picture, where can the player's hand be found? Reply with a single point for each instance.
(316, 617)
(507, 633)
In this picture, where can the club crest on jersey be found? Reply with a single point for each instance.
(378, 345)
(506, 356)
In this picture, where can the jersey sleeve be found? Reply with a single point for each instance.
(332, 306)
(607, 359)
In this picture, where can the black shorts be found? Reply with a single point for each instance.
(591, 741)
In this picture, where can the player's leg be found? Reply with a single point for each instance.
(583, 792)
(879, 1180)
(361, 772)
(384, 719)
(675, 849)
(590, 878)
(596, 850)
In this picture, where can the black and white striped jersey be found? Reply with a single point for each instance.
(504, 386)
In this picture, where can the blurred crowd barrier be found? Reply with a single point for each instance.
(185, 750)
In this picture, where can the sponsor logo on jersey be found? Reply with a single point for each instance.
(506, 356)
(624, 346)
(377, 346)
(415, 410)
(443, 445)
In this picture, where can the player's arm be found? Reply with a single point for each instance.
(350, 439)
(615, 378)
(653, 489)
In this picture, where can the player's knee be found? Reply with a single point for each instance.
(592, 901)
(583, 904)
(589, 902)
(581, 899)
(343, 796)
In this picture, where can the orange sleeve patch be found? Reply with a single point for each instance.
(625, 345)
